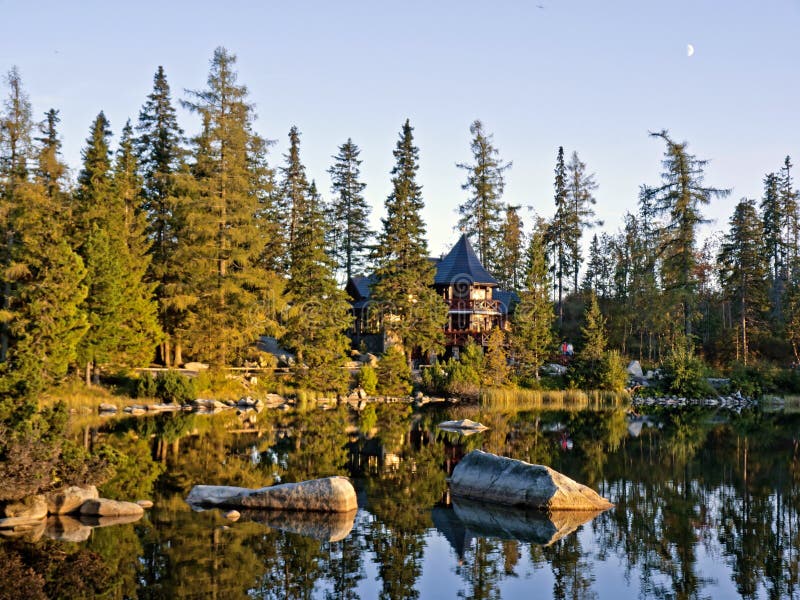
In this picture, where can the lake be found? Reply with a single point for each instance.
(707, 505)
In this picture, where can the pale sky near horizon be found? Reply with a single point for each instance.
(593, 77)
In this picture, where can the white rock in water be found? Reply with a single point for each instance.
(70, 499)
(491, 478)
(331, 494)
(635, 369)
(103, 507)
(214, 494)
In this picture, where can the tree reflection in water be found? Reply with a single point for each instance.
(706, 505)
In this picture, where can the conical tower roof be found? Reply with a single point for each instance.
(461, 264)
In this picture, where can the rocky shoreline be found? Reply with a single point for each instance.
(66, 512)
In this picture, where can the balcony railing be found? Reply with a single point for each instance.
(470, 305)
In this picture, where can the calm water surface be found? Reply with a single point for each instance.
(706, 507)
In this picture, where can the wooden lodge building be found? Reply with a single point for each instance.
(476, 303)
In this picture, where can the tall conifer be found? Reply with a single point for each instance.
(349, 211)
(743, 271)
(679, 198)
(532, 335)
(481, 214)
(413, 313)
(223, 240)
(580, 203)
(160, 153)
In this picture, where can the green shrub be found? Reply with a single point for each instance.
(172, 387)
(394, 374)
(612, 375)
(368, 379)
(146, 386)
(685, 373)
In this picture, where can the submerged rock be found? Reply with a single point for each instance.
(326, 527)
(331, 494)
(67, 529)
(70, 499)
(103, 507)
(530, 526)
(500, 480)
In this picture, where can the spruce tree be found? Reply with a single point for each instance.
(532, 334)
(350, 231)
(111, 239)
(319, 313)
(509, 268)
(481, 214)
(679, 198)
(412, 311)
(787, 198)
(594, 337)
(580, 200)
(294, 195)
(50, 171)
(160, 154)
(16, 153)
(496, 371)
(222, 236)
(558, 233)
(43, 279)
(744, 271)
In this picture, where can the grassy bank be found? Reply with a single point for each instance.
(523, 399)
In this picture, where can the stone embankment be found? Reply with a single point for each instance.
(496, 479)
(67, 514)
(736, 402)
(357, 400)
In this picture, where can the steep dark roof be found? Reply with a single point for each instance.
(461, 264)
(359, 286)
(507, 300)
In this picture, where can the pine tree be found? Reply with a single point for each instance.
(294, 191)
(558, 234)
(481, 214)
(43, 279)
(50, 171)
(744, 270)
(412, 311)
(580, 200)
(111, 239)
(160, 154)
(510, 269)
(16, 151)
(349, 211)
(319, 313)
(787, 198)
(593, 333)
(140, 331)
(679, 198)
(223, 240)
(496, 370)
(532, 335)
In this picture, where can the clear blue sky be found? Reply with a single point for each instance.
(591, 76)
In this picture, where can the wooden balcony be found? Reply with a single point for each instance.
(468, 305)
(459, 337)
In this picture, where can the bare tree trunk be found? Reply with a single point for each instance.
(88, 374)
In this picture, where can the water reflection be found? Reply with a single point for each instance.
(706, 505)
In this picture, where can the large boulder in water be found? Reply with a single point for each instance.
(32, 507)
(103, 507)
(331, 494)
(70, 499)
(497, 479)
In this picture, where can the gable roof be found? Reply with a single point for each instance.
(359, 286)
(461, 264)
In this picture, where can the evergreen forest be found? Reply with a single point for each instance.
(168, 247)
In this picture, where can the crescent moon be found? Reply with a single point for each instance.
(689, 49)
